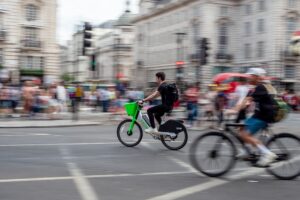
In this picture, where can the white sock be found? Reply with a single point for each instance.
(263, 149)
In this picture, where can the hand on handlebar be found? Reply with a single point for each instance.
(140, 102)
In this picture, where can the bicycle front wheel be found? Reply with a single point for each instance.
(213, 154)
(287, 147)
(129, 139)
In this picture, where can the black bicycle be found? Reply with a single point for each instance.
(215, 152)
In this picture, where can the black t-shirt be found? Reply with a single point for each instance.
(264, 108)
(162, 89)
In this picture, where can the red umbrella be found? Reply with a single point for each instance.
(224, 76)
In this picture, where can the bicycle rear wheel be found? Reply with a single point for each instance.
(287, 147)
(213, 154)
(129, 139)
(177, 142)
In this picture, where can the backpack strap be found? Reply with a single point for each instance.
(271, 90)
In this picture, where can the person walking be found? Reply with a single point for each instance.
(192, 96)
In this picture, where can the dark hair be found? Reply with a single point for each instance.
(161, 75)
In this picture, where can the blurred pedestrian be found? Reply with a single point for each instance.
(192, 96)
(62, 96)
(292, 99)
(79, 95)
(28, 95)
(221, 101)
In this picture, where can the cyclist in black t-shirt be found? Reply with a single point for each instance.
(160, 110)
(263, 114)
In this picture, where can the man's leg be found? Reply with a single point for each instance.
(158, 115)
(150, 113)
(254, 125)
(155, 110)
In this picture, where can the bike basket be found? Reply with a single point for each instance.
(131, 108)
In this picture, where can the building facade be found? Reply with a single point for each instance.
(28, 46)
(113, 50)
(241, 34)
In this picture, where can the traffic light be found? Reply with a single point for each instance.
(93, 62)
(87, 36)
(204, 51)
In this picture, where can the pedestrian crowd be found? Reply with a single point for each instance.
(34, 99)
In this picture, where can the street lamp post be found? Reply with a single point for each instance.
(180, 60)
(117, 42)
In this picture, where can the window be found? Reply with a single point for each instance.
(248, 29)
(260, 25)
(262, 5)
(291, 28)
(247, 51)
(221, 69)
(260, 49)
(223, 38)
(31, 34)
(1, 22)
(224, 11)
(290, 71)
(196, 11)
(31, 12)
(248, 9)
(1, 58)
(31, 62)
(292, 3)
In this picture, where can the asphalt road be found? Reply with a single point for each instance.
(88, 163)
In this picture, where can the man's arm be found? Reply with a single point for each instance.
(152, 96)
(244, 103)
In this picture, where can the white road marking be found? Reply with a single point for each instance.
(252, 181)
(184, 165)
(84, 187)
(91, 176)
(26, 135)
(62, 144)
(206, 186)
(190, 190)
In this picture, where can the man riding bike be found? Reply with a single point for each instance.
(160, 110)
(263, 114)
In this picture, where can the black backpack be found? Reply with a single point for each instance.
(172, 94)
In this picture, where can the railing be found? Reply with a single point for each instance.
(122, 46)
(224, 56)
(31, 44)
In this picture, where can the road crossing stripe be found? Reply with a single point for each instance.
(84, 187)
(91, 176)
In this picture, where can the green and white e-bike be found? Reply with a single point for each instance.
(171, 133)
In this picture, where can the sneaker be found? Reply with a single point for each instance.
(151, 130)
(266, 159)
(241, 154)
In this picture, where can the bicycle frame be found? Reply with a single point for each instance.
(138, 118)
